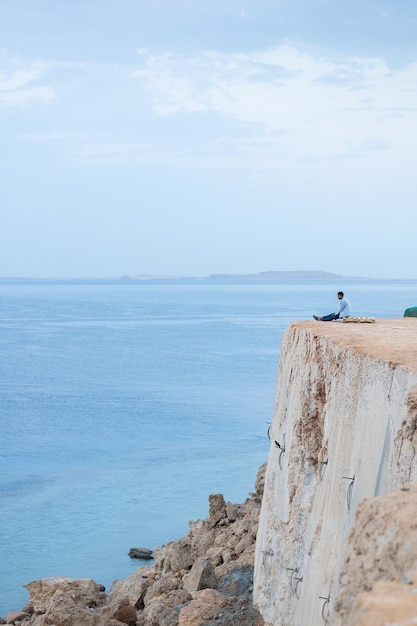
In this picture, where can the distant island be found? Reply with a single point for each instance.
(261, 276)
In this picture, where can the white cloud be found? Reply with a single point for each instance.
(17, 84)
(22, 97)
(118, 152)
(323, 105)
(52, 136)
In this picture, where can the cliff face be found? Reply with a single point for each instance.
(344, 430)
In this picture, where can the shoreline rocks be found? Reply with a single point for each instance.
(204, 578)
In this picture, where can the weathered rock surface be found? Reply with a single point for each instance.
(63, 611)
(389, 604)
(201, 576)
(83, 591)
(344, 431)
(203, 579)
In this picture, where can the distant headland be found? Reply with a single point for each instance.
(261, 276)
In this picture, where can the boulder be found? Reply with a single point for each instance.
(140, 553)
(133, 588)
(174, 557)
(206, 605)
(217, 509)
(164, 610)
(201, 576)
(83, 591)
(63, 611)
(16, 616)
(238, 582)
(121, 610)
(163, 586)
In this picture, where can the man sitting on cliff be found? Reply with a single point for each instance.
(344, 310)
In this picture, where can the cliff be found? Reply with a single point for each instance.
(343, 441)
(336, 541)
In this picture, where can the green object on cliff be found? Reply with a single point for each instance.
(411, 312)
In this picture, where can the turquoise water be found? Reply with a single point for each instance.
(124, 405)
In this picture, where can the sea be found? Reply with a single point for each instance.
(125, 403)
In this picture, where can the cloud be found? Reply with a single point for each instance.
(16, 84)
(289, 108)
(52, 136)
(317, 105)
(116, 151)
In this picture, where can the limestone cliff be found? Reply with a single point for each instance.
(344, 430)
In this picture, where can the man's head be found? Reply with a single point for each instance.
(340, 294)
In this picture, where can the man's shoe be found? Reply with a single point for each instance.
(316, 318)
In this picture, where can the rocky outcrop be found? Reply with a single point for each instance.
(344, 432)
(82, 591)
(203, 579)
(388, 604)
(382, 546)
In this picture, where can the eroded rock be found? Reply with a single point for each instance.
(388, 604)
(133, 588)
(201, 576)
(63, 611)
(382, 546)
(83, 591)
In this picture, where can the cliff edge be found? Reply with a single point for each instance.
(343, 432)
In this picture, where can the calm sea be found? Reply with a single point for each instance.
(123, 405)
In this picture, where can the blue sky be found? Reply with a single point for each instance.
(191, 137)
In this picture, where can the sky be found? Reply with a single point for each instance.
(195, 137)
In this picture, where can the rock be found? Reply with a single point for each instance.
(163, 610)
(217, 510)
(231, 512)
(133, 588)
(83, 591)
(206, 605)
(63, 611)
(121, 610)
(382, 545)
(201, 576)
(244, 543)
(174, 557)
(215, 555)
(238, 582)
(202, 539)
(16, 616)
(388, 604)
(260, 483)
(140, 553)
(162, 587)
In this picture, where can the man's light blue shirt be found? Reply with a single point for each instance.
(344, 308)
